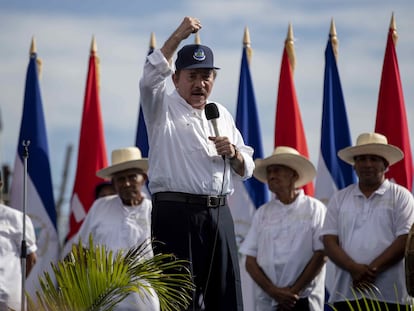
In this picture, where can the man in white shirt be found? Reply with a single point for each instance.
(11, 236)
(191, 168)
(366, 229)
(123, 220)
(284, 253)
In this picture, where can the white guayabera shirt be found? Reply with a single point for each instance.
(283, 238)
(120, 227)
(365, 228)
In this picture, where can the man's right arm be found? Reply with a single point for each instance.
(282, 295)
(188, 26)
(360, 273)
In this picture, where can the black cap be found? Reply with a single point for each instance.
(195, 56)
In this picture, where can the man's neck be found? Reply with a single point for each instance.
(369, 189)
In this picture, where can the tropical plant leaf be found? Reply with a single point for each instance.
(372, 300)
(94, 278)
(168, 276)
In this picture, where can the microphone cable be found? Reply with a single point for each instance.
(213, 251)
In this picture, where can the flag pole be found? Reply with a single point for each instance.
(1, 153)
(62, 191)
(23, 255)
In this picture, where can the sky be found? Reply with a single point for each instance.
(64, 29)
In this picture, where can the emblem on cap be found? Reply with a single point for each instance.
(199, 55)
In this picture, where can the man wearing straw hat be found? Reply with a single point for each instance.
(284, 252)
(123, 220)
(366, 229)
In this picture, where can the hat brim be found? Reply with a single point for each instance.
(390, 153)
(109, 171)
(303, 167)
(199, 66)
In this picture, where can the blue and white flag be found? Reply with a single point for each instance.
(250, 194)
(247, 121)
(333, 174)
(40, 201)
(253, 193)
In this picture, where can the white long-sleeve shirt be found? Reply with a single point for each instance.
(181, 157)
(11, 235)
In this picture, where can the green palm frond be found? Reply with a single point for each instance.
(169, 277)
(97, 279)
(369, 298)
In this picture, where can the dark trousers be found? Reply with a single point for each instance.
(204, 236)
(301, 305)
(372, 305)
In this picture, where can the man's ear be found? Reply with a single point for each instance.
(296, 176)
(114, 184)
(145, 178)
(175, 77)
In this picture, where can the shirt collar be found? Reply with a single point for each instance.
(380, 191)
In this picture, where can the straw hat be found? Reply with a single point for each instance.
(124, 159)
(289, 157)
(374, 144)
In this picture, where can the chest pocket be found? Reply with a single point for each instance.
(186, 133)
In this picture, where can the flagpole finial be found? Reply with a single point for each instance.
(290, 36)
(33, 51)
(247, 44)
(289, 46)
(197, 39)
(393, 28)
(393, 24)
(94, 54)
(334, 39)
(246, 37)
(94, 47)
(33, 46)
(332, 30)
(152, 41)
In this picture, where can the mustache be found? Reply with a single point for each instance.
(198, 91)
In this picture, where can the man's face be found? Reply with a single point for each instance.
(370, 169)
(128, 185)
(280, 178)
(194, 85)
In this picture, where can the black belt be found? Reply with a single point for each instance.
(212, 201)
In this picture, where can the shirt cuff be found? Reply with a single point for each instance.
(158, 60)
